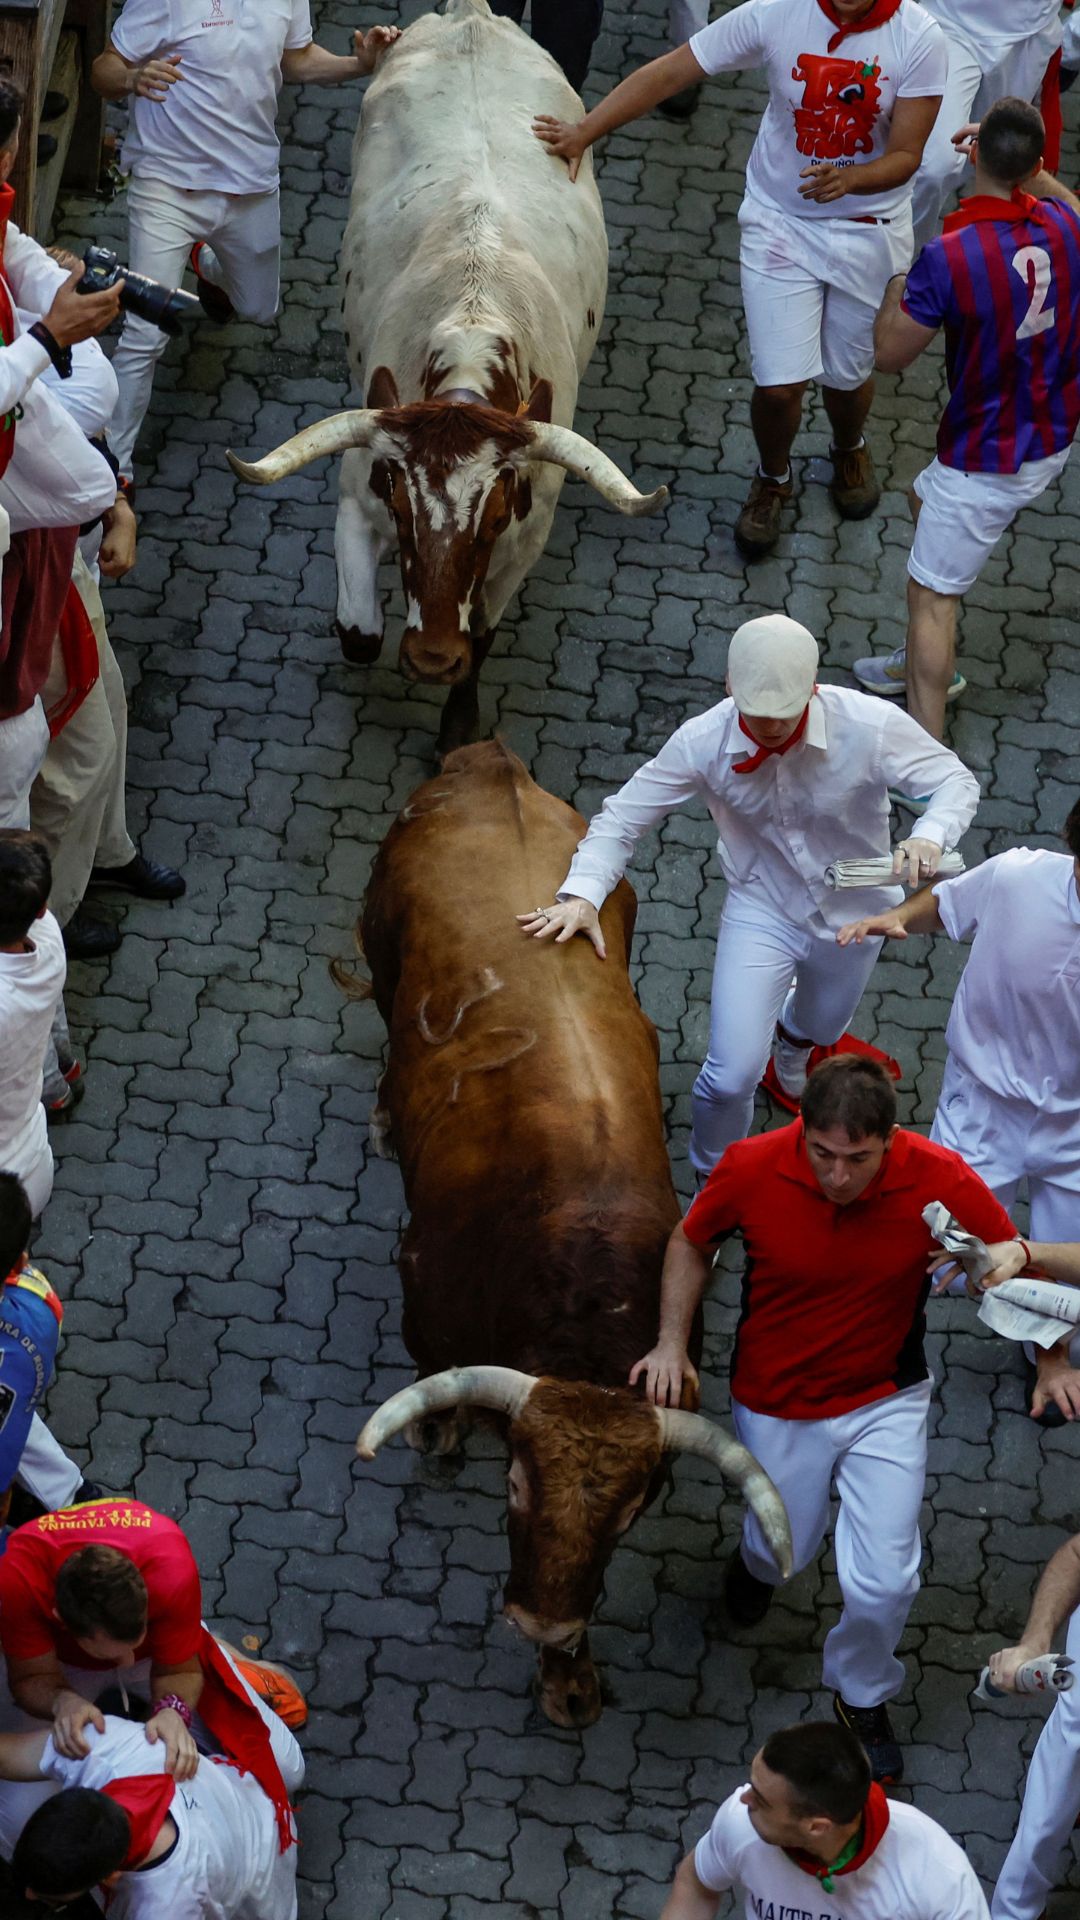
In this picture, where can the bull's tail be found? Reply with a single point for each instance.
(346, 973)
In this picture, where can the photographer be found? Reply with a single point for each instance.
(204, 97)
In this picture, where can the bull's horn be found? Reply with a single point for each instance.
(335, 434)
(691, 1433)
(501, 1388)
(565, 448)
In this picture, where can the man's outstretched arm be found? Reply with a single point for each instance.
(21, 1755)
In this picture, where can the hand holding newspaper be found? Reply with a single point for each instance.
(1038, 1310)
(879, 872)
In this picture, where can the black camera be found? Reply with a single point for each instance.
(164, 307)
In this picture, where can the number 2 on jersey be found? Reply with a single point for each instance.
(1034, 267)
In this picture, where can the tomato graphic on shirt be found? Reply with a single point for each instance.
(841, 101)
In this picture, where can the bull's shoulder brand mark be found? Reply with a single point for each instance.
(840, 104)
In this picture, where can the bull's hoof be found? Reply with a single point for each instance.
(569, 1688)
(359, 649)
(439, 1433)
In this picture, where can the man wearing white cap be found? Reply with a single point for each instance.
(795, 777)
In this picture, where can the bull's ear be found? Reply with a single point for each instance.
(382, 389)
(539, 407)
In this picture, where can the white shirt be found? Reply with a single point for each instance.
(781, 826)
(215, 129)
(1015, 1020)
(824, 106)
(30, 986)
(226, 1864)
(994, 25)
(916, 1872)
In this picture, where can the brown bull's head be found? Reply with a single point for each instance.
(581, 1467)
(453, 475)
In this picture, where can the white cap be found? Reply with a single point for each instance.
(772, 666)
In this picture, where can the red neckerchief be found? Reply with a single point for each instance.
(227, 1709)
(875, 1821)
(29, 1280)
(986, 206)
(146, 1799)
(765, 753)
(881, 11)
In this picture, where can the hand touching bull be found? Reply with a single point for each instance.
(562, 920)
(671, 1379)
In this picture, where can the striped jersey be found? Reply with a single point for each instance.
(1003, 280)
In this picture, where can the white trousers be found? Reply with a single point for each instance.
(24, 742)
(757, 953)
(1008, 1142)
(244, 230)
(877, 1458)
(1050, 1805)
(974, 83)
(77, 803)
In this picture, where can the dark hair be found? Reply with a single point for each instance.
(100, 1590)
(12, 102)
(16, 1219)
(853, 1092)
(71, 1843)
(1071, 831)
(25, 879)
(1012, 138)
(825, 1767)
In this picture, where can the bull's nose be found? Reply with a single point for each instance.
(444, 665)
(562, 1634)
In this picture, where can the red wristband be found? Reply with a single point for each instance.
(1027, 1253)
(179, 1706)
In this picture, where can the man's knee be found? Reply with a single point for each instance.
(789, 394)
(727, 1079)
(259, 312)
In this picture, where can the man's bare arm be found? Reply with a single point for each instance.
(1057, 1596)
(919, 914)
(21, 1755)
(689, 1898)
(637, 94)
(667, 1366)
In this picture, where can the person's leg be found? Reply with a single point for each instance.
(243, 254)
(45, 1469)
(24, 742)
(880, 1476)
(942, 165)
(1049, 1809)
(799, 1457)
(775, 418)
(115, 847)
(931, 654)
(829, 983)
(164, 223)
(847, 382)
(783, 301)
(756, 956)
(567, 29)
(77, 776)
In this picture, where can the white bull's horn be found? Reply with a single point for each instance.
(565, 448)
(691, 1433)
(335, 434)
(502, 1389)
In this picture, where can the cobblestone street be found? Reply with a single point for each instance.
(220, 1229)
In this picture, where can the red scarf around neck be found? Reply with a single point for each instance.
(988, 206)
(881, 11)
(875, 1822)
(766, 753)
(146, 1799)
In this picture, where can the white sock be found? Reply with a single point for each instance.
(778, 479)
(859, 444)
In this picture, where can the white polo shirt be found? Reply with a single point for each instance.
(216, 128)
(824, 106)
(994, 25)
(226, 1865)
(916, 1872)
(30, 986)
(1015, 1020)
(779, 827)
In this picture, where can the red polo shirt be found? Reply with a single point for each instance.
(833, 1299)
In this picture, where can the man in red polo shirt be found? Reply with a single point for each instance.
(113, 1585)
(828, 1377)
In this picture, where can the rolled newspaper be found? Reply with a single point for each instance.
(1050, 1673)
(1043, 1311)
(879, 873)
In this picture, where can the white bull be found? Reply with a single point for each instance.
(475, 276)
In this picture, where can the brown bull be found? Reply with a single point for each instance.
(522, 1096)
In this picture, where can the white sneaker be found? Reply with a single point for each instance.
(886, 674)
(790, 1064)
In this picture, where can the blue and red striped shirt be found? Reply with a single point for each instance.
(1004, 281)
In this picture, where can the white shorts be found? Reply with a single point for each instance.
(811, 290)
(964, 516)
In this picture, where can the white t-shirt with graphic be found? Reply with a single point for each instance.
(216, 128)
(824, 106)
(916, 1871)
(226, 1865)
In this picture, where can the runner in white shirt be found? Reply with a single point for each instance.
(33, 967)
(809, 1838)
(200, 1849)
(202, 150)
(1010, 1098)
(795, 777)
(854, 88)
(998, 49)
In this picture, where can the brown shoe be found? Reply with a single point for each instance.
(757, 528)
(854, 485)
